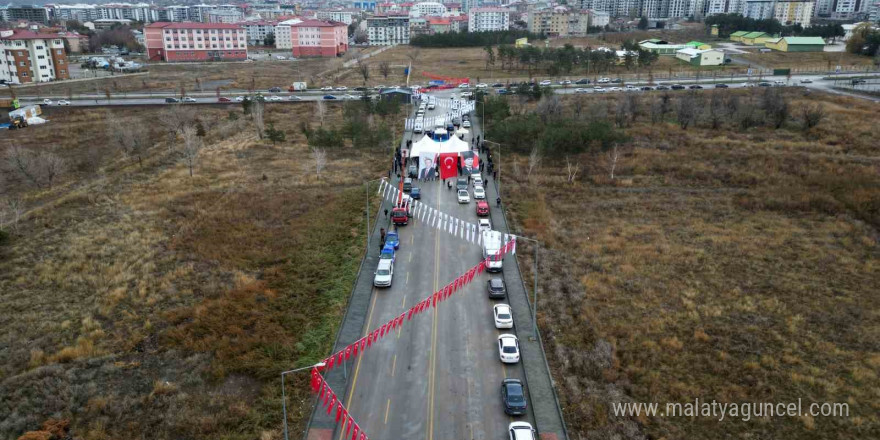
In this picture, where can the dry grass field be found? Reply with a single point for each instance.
(807, 60)
(140, 302)
(734, 265)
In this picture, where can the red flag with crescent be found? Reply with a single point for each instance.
(448, 165)
(355, 432)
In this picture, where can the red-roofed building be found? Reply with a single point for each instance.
(176, 42)
(29, 56)
(319, 38)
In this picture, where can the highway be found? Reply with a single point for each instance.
(439, 377)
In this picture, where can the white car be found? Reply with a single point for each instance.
(466, 94)
(341, 89)
(295, 98)
(546, 82)
(464, 196)
(47, 101)
(508, 348)
(503, 317)
(485, 225)
(479, 192)
(466, 124)
(482, 85)
(521, 431)
(384, 273)
(632, 89)
(604, 80)
(749, 84)
(432, 105)
(189, 99)
(806, 81)
(599, 90)
(239, 98)
(614, 89)
(350, 97)
(280, 57)
(581, 90)
(327, 89)
(478, 180)
(274, 98)
(463, 85)
(63, 102)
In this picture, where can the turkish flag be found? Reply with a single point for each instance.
(330, 361)
(340, 358)
(409, 314)
(339, 411)
(348, 352)
(348, 424)
(355, 432)
(481, 267)
(363, 343)
(332, 405)
(448, 165)
(363, 436)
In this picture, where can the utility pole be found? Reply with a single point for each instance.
(284, 396)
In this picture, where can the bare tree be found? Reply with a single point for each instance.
(813, 115)
(319, 156)
(613, 156)
(192, 145)
(716, 110)
(578, 105)
(656, 110)
(572, 169)
(320, 109)
(534, 160)
(621, 113)
(257, 110)
(173, 119)
(633, 106)
(132, 139)
(385, 69)
(686, 110)
(40, 168)
(414, 56)
(548, 108)
(776, 107)
(14, 208)
(364, 69)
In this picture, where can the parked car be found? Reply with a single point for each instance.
(482, 85)
(416, 193)
(498, 85)
(485, 224)
(508, 348)
(503, 317)
(496, 288)
(466, 123)
(521, 431)
(464, 196)
(392, 239)
(478, 180)
(223, 99)
(327, 88)
(513, 396)
(463, 85)
(582, 81)
(63, 102)
(479, 193)
(384, 273)
(461, 183)
(171, 100)
(482, 208)
(408, 184)
(721, 86)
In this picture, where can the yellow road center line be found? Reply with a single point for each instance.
(393, 365)
(433, 353)
(407, 278)
(410, 257)
(357, 368)
(387, 407)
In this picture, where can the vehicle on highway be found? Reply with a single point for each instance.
(418, 127)
(496, 288)
(399, 216)
(407, 183)
(239, 98)
(387, 252)
(63, 102)
(384, 273)
(749, 84)
(617, 80)
(695, 86)
(721, 86)
(449, 127)
(778, 83)
(350, 96)
(581, 90)
(464, 196)
(466, 94)
(456, 121)
(677, 87)
(481, 86)
(189, 99)
(466, 123)
(223, 99)
(294, 98)
(463, 85)
(328, 97)
(647, 88)
(661, 88)
(604, 80)
(506, 92)
(416, 193)
(498, 85)
(512, 393)
(598, 89)
(478, 179)
(461, 183)
(565, 82)
(275, 98)
(859, 81)
(614, 89)
(47, 101)
(508, 348)
(171, 100)
(765, 84)
(275, 89)
(392, 239)
(360, 89)
(479, 192)
(341, 89)
(546, 82)
(806, 81)
(631, 88)
(482, 208)
(432, 105)
(485, 224)
(280, 57)
(503, 317)
(582, 81)
(521, 431)
(327, 89)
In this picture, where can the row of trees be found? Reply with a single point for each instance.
(566, 59)
(365, 123)
(865, 40)
(730, 23)
(472, 39)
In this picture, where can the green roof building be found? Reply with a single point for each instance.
(737, 36)
(796, 44)
(698, 45)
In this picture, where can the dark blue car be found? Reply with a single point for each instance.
(415, 193)
(329, 97)
(392, 239)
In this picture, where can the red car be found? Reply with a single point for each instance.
(224, 100)
(399, 216)
(482, 208)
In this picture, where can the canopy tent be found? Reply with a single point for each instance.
(431, 147)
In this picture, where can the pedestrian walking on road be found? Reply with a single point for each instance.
(382, 234)
(386, 213)
(495, 175)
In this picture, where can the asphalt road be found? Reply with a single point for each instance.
(440, 375)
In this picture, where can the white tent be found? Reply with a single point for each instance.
(431, 147)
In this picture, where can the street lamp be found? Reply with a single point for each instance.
(284, 396)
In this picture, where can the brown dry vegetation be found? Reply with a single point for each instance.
(806, 60)
(143, 300)
(740, 266)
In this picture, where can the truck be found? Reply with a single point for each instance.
(492, 243)
(19, 118)
(298, 87)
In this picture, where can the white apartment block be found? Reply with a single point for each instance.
(427, 9)
(283, 34)
(28, 57)
(388, 30)
(724, 7)
(257, 31)
(599, 18)
(758, 9)
(488, 19)
(795, 12)
(347, 16)
(559, 22)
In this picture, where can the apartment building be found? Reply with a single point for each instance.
(347, 15)
(795, 12)
(283, 33)
(31, 13)
(319, 38)
(225, 16)
(559, 22)
(257, 31)
(29, 56)
(759, 9)
(488, 19)
(427, 9)
(176, 42)
(110, 11)
(388, 30)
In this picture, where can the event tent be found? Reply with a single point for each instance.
(431, 147)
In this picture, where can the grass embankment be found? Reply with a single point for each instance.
(812, 61)
(143, 300)
(726, 264)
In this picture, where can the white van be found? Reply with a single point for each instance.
(384, 273)
(417, 129)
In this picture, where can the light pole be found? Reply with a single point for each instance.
(284, 396)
